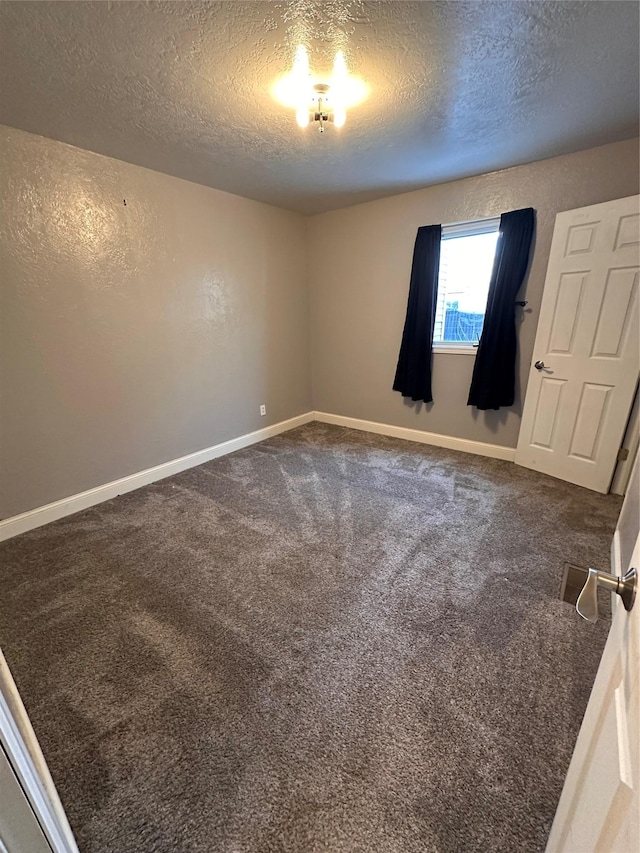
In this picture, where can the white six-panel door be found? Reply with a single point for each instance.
(587, 346)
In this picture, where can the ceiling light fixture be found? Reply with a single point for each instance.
(316, 99)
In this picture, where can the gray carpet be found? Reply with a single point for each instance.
(331, 641)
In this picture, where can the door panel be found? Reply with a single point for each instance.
(565, 317)
(628, 230)
(616, 313)
(544, 427)
(588, 340)
(589, 420)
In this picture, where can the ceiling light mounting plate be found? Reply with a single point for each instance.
(322, 114)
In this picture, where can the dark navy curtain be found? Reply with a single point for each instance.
(494, 371)
(413, 373)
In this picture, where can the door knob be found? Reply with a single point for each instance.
(539, 365)
(587, 603)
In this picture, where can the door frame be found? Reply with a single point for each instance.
(630, 443)
(27, 761)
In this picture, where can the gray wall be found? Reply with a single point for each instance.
(359, 287)
(131, 335)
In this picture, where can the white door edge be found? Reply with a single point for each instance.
(25, 756)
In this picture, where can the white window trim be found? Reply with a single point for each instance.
(449, 232)
(471, 228)
(451, 348)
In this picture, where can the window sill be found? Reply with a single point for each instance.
(454, 350)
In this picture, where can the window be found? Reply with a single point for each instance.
(467, 251)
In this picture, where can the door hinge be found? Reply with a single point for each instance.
(623, 454)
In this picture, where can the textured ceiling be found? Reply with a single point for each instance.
(457, 88)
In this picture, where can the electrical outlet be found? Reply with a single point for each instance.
(263, 410)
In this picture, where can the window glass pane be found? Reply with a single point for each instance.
(463, 285)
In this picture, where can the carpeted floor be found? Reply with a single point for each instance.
(330, 641)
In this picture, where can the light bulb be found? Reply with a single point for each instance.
(301, 62)
(339, 66)
(339, 88)
(339, 116)
(301, 76)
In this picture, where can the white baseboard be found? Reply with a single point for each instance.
(479, 448)
(17, 524)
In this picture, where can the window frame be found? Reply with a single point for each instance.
(471, 228)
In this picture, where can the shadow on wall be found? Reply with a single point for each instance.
(495, 419)
(417, 405)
